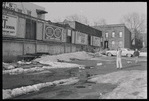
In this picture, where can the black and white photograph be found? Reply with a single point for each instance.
(74, 50)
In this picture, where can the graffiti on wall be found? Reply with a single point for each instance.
(9, 25)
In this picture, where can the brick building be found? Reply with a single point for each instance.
(115, 35)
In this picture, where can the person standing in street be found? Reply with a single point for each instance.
(118, 59)
(136, 54)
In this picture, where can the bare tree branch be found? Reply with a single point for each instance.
(78, 18)
(100, 22)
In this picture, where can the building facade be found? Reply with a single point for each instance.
(85, 34)
(24, 34)
(114, 36)
(28, 8)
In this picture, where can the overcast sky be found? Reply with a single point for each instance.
(112, 12)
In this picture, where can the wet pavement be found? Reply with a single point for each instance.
(81, 89)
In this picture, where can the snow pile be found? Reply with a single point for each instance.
(7, 66)
(143, 53)
(36, 69)
(65, 56)
(58, 65)
(8, 93)
(23, 62)
(21, 70)
(131, 84)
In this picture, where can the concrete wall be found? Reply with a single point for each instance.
(12, 47)
(11, 50)
(127, 38)
(29, 48)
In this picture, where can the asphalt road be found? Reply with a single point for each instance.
(83, 89)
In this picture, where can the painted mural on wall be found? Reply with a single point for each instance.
(53, 33)
(9, 25)
(96, 41)
(81, 38)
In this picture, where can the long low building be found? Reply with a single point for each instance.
(28, 34)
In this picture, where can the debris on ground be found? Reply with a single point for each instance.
(7, 66)
(99, 64)
(128, 83)
(23, 62)
(65, 57)
(129, 62)
(81, 67)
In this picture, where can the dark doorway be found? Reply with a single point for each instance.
(89, 40)
(105, 44)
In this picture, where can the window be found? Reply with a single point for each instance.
(69, 32)
(113, 34)
(69, 38)
(29, 12)
(19, 10)
(106, 35)
(30, 29)
(120, 43)
(120, 34)
(113, 43)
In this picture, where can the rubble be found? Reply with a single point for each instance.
(65, 57)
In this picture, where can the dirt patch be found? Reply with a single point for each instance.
(128, 82)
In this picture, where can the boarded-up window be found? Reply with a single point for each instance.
(30, 29)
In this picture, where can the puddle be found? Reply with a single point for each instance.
(80, 86)
(64, 93)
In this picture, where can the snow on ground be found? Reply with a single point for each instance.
(143, 53)
(8, 93)
(65, 56)
(131, 84)
(35, 69)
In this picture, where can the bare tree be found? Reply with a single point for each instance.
(79, 18)
(100, 22)
(137, 24)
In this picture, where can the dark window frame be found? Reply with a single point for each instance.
(31, 29)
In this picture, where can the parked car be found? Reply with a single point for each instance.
(125, 52)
